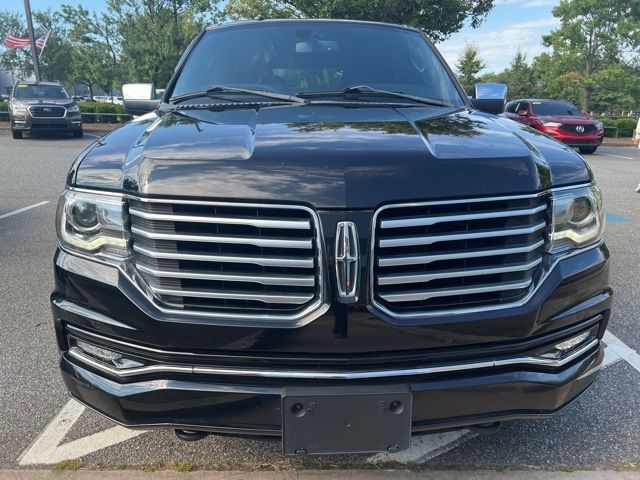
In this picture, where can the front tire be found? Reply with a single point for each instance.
(17, 134)
(588, 150)
(78, 133)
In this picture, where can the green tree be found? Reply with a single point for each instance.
(438, 19)
(594, 35)
(153, 34)
(520, 78)
(469, 66)
(16, 61)
(55, 59)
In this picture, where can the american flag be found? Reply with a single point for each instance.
(15, 41)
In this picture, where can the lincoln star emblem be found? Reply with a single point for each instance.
(347, 262)
(580, 129)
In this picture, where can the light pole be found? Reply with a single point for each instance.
(32, 39)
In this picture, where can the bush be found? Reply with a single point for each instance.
(4, 111)
(626, 126)
(107, 108)
(88, 107)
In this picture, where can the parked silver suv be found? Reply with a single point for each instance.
(43, 107)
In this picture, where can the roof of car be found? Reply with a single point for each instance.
(540, 100)
(33, 82)
(308, 20)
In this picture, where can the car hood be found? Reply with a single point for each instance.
(327, 156)
(569, 119)
(47, 101)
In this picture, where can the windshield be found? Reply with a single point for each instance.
(24, 90)
(304, 57)
(555, 108)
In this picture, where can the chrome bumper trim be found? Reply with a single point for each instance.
(323, 375)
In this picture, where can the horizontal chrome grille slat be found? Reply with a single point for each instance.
(428, 240)
(427, 277)
(290, 280)
(395, 261)
(254, 222)
(234, 262)
(427, 221)
(449, 257)
(257, 241)
(425, 295)
(287, 299)
(266, 261)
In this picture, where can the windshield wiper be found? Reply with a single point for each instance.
(221, 89)
(367, 90)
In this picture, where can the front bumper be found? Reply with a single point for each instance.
(576, 141)
(95, 302)
(250, 408)
(25, 122)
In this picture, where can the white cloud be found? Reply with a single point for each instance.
(498, 46)
(532, 3)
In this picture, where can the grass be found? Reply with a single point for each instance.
(121, 466)
(72, 465)
(184, 466)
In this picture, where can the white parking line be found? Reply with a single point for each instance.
(93, 135)
(39, 204)
(47, 449)
(616, 156)
(617, 350)
(425, 447)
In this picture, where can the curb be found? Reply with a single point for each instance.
(316, 475)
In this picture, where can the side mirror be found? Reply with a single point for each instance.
(139, 98)
(523, 113)
(490, 97)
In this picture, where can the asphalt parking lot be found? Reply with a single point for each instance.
(40, 426)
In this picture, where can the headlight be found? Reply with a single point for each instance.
(93, 223)
(73, 109)
(599, 125)
(18, 108)
(578, 218)
(552, 124)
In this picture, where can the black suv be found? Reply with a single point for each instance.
(315, 235)
(43, 107)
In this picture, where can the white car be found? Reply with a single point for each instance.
(636, 134)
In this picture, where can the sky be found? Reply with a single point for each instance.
(512, 24)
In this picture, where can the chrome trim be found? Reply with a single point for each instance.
(71, 307)
(41, 105)
(426, 259)
(266, 279)
(265, 261)
(67, 258)
(426, 221)
(437, 293)
(395, 279)
(430, 239)
(329, 375)
(347, 260)
(258, 242)
(287, 299)
(254, 222)
(301, 318)
(394, 261)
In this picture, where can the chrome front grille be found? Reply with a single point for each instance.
(228, 260)
(47, 111)
(432, 258)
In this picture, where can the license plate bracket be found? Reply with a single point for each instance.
(346, 420)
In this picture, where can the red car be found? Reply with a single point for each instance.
(559, 119)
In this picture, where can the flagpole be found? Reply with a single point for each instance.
(34, 51)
